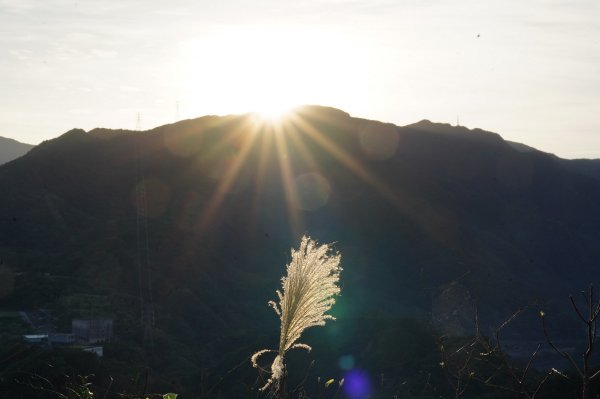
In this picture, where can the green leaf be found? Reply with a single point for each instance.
(170, 396)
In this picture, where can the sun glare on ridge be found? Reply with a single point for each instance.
(264, 70)
(274, 112)
(268, 74)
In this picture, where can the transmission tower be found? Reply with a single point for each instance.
(143, 251)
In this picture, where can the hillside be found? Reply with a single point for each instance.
(413, 210)
(587, 167)
(11, 149)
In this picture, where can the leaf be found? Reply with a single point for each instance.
(170, 396)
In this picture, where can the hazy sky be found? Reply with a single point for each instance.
(529, 70)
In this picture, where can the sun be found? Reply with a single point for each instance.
(262, 69)
(273, 112)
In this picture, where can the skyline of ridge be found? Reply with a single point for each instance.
(518, 144)
(525, 69)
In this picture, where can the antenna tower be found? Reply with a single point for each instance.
(138, 122)
(143, 250)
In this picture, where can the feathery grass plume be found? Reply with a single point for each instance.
(309, 290)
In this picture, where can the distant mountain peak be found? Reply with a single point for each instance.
(322, 108)
(11, 149)
(464, 132)
(74, 131)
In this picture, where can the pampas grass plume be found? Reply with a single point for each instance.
(308, 291)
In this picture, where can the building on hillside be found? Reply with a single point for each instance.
(61, 339)
(36, 339)
(92, 331)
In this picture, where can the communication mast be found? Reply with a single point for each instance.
(143, 249)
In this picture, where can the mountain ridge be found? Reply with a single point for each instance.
(460, 166)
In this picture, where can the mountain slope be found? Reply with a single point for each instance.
(11, 149)
(413, 210)
(587, 167)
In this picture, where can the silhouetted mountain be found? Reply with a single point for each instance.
(521, 147)
(11, 149)
(429, 218)
(588, 167)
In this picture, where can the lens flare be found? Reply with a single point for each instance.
(313, 191)
(357, 384)
(346, 362)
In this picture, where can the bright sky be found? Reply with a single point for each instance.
(529, 70)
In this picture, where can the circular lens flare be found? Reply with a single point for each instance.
(357, 384)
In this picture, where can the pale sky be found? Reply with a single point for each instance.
(528, 70)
